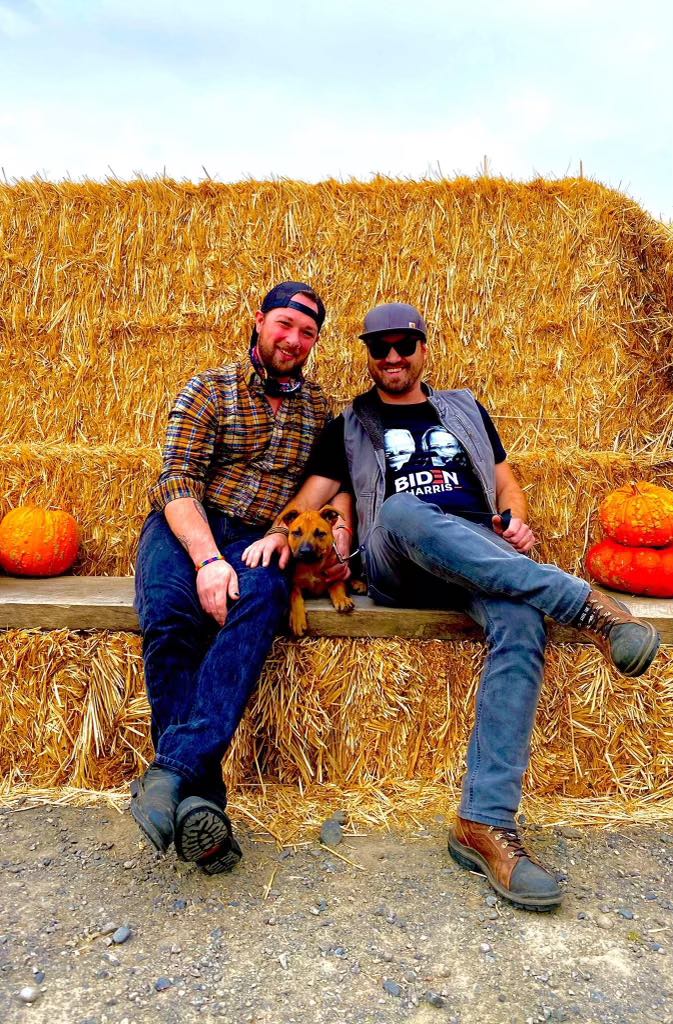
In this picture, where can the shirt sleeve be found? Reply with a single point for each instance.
(328, 457)
(190, 442)
(499, 453)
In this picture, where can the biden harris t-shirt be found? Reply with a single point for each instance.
(422, 457)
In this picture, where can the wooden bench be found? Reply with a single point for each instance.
(106, 602)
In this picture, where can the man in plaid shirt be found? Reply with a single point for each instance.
(239, 438)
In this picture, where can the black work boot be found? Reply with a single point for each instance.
(203, 834)
(628, 643)
(154, 799)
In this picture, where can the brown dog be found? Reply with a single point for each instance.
(311, 542)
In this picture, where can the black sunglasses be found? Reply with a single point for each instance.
(380, 349)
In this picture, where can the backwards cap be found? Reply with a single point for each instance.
(280, 297)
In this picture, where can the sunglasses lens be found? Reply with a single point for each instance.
(407, 346)
(380, 349)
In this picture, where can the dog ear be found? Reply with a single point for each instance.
(330, 514)
(289, 517)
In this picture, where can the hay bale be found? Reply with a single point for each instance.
(365, 715)
(552, 299)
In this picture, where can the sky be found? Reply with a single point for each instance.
(315, 89)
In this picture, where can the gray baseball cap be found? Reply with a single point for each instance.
(394, 316)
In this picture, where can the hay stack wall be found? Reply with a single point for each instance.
(552, 301)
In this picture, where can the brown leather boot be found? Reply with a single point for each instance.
(499, 854)
(628, 643)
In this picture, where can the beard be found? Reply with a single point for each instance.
(275, 364)
(399, 383)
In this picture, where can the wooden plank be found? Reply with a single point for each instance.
(106, 602)
(68, 602)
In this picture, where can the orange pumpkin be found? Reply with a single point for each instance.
(38, 541)
(636, 570)
(639, 514)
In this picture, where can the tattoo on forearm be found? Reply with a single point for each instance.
(201, 510)
(183, 540)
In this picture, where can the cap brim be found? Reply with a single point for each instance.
(393, 330)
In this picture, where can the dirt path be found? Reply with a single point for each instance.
(300, 935)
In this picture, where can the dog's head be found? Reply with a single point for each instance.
(310, 533)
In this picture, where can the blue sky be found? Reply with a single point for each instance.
(313, 90)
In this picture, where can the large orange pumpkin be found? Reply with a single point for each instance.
(38, 541)
(636, 570)
(640, 514)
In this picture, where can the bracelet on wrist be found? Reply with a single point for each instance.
(342, 526)
(208, 561)
(277, 529)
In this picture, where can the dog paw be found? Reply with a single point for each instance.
(358, 586)
(298, 623)
(344, 605)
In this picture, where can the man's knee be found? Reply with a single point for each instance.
(397, 511)
(517, 623)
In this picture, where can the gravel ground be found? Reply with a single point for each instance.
(97, 929)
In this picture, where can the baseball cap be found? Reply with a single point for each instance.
(280, 297)
(394, 316)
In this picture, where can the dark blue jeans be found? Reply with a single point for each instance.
(416, 555)
(199, 675)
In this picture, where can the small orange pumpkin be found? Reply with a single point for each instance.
(38, 541)
(636, 570)
(639, 514)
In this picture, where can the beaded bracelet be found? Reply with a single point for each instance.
(207, 561)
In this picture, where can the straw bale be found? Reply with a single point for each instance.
(105, 488)
(553, 300)
(364, 715)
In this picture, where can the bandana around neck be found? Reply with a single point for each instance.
(271, 385)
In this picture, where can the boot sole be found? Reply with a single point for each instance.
(203, 835)
(473, 861)
(143, 823)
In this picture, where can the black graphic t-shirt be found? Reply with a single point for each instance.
(422, 458)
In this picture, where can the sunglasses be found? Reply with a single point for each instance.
(380, 349)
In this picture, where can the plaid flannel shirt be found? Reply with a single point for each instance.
(225, 447)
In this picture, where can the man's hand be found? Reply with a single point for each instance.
(261, 551)
(340, 571)
(216, 585)
(518, 534)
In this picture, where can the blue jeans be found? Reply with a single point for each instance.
(415, 555)
(199, 675)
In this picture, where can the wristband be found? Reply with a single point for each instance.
(342, 526)
(277, 529)
(207, 561)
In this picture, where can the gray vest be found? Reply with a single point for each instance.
(363, 438)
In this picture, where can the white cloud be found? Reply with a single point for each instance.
(312, 90)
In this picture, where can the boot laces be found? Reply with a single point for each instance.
(597, 617)
(508, 839)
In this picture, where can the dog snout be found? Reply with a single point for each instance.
(307, 553)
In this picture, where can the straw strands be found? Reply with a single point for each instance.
(361, 716)
(553, 300)
(291, 818)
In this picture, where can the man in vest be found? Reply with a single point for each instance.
(238, 442)
(452, 532)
